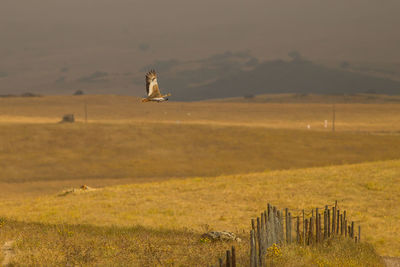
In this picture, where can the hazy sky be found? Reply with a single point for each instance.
(121, 35)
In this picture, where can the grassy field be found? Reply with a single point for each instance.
(37, 244)
(165, 173)
(368, 191)
(80, 152)
(360, 116)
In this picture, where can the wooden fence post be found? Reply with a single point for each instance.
(259, 242)
(344, 215)
(359, 233)
(341, 224)
(329, 222)
(333, 220)
(228, 258)
(325, 225)
(352, 229)
(276, 225)
(287, 225)
(233, 257)
(304, 231)
(316, 225)
(319, 227)
(281, 237)
(290, 228)
(337, 221)
(311, 231)
(306, 241)
(298, 230)
(253, 249)
(262, 234)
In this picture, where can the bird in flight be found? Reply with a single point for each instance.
(153, 92)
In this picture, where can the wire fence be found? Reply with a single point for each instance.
(284, 227)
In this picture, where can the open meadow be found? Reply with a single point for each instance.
(165, 173)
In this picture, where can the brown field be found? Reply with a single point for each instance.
(368, 192)
(360, 116)
(235, 157)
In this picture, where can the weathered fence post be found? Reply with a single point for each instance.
(287, 225)
(298, 230)
(306, 241)
(325, 225)
(316, 226)
(259, 241)
(337, 221)
(329, 222)
(253, 249)
(281, 238)
(290, 228)
(319, 227)
(228, 258)
(333, 221)
(304, 231)
(311, 231)
(233, 257)
(341, 224)
(262, 236)
(276, 225)
(359, 233)
(352, 229)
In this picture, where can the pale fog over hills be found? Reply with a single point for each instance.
(201, 49)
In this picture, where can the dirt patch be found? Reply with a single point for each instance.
(81, 189)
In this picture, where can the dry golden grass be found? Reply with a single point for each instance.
(243, 144)
(60, 152)
(334, 252)
(38, 244)
(367, 117)
(84, 245)
(368, 191)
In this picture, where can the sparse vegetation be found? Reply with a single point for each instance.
(160, 221)
(196, 202)
(49, 152)
(335, 252)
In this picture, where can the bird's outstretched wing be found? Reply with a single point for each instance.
(152, 89)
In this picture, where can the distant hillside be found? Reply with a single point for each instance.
(296, 76)
(313, 98)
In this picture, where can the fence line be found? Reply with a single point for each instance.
(277, 228)
(283, 227)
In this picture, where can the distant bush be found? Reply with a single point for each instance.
(29, 94)
(79, 92)
(3, 74)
